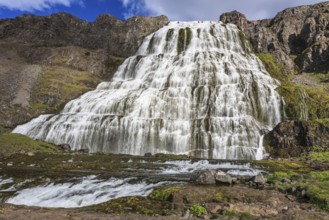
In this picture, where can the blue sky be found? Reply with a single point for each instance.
(174, 9)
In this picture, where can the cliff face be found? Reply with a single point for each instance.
(47, 61)
(300, 33)
(295, 41)
(120, 38)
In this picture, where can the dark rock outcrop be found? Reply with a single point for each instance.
(120, 38)
(301, 32)
(294, 138)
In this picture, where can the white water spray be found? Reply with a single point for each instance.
(192, 88)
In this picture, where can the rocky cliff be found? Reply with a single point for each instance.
(48, 61)
(300, 33)
(120, 38)
(295, 138)
(294, 48)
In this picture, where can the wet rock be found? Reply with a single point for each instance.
(65, 147)
(83, 151)
(31, 154)
(203, 177)
(259, 180)
(147, 155)
(286, 180)
(10, 164)
(223, 178)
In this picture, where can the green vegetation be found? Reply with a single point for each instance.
(184, 39)
(169, 34)
(281, 166)
(58, 85)
(171, 156)
(302, 101)
(301, 176)
(272, 67)
(240, 215)
(16, 143)
(128, 205)
(278, 176)
(165, 194)
(198, 210)
(244, 42)
(318, 157)
(299, 98)
(4, 130)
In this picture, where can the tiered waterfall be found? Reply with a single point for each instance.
(192, 88)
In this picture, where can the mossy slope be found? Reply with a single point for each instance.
(16, 143)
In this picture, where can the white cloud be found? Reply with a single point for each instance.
(210, 9)
(134, 7)
(39, 5)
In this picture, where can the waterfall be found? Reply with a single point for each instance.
(192, 88)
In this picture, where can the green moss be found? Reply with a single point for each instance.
(60, 85)
(132, 205)
(318, 157)
(318, 193)
(16, 143)
(4, 130)
(235, 214)
(164, 194)
(198, 210)
(272, 67)
(302, 101)
(280, 166)
(171, 156)
(278, 176)
(299, 98)
(169, 35)
(184, 39)
(244, 42)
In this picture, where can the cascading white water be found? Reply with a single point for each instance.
(192, 88)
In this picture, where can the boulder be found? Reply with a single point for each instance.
(223, 178)
(203, 177)
(294, 138)
(259, 180)
(65, 147)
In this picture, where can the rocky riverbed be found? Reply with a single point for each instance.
(87, 186)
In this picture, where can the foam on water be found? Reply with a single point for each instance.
(4, 181)
(82, 192)
(192, 88)
(187, 166)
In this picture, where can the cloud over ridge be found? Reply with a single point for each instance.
(36, 5)
(209, 9)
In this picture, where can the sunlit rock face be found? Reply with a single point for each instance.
(192, 88)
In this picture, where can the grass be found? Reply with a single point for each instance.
(272, 67)
(58, 85)
(164, 194)
(318, 157)
(302, 101)
(16, 143)
(198, 210)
